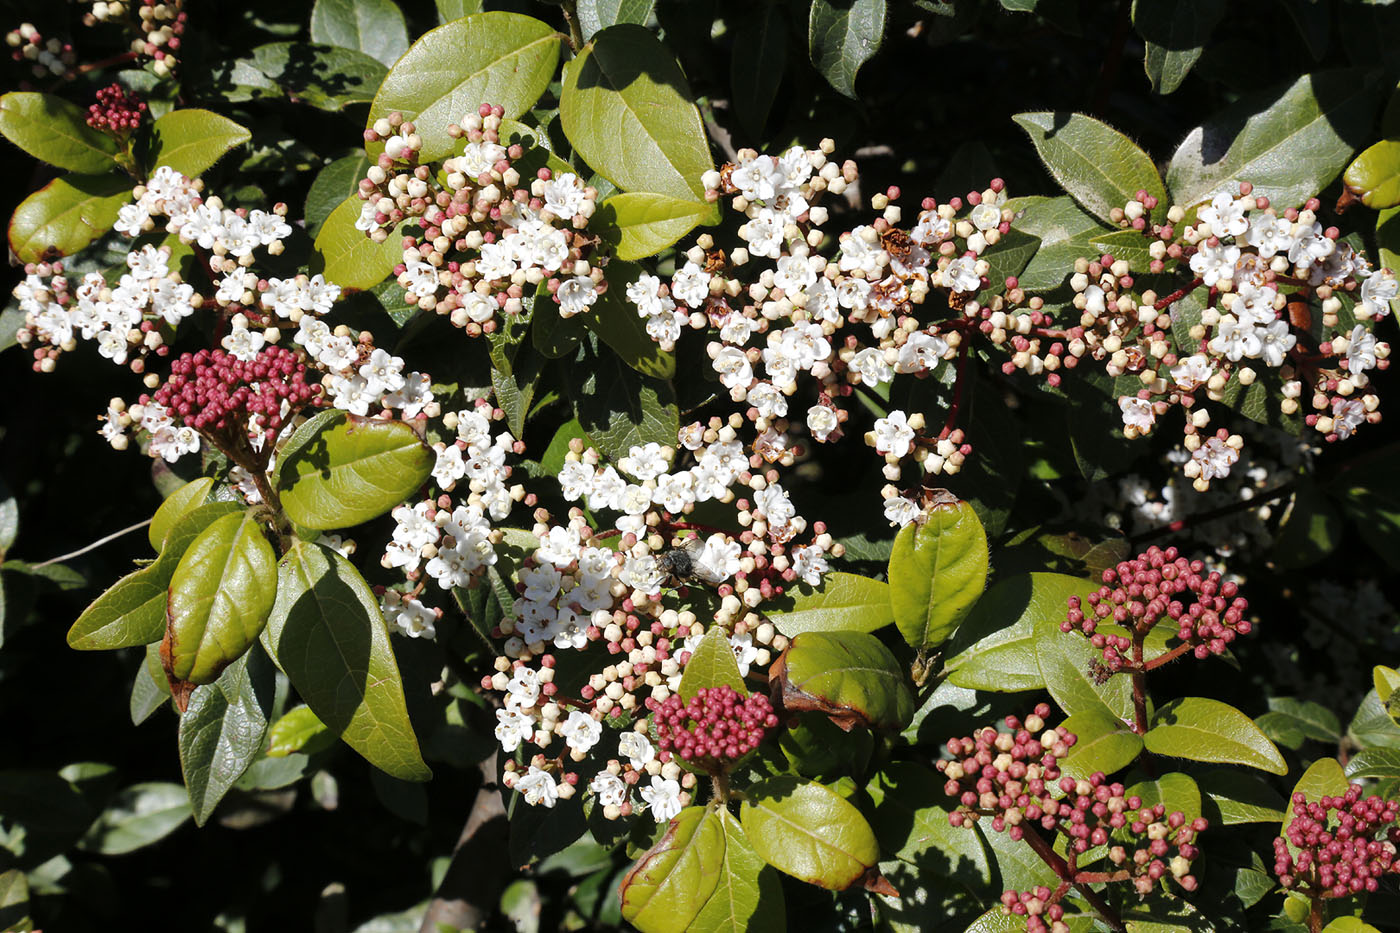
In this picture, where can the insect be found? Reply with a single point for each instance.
(681, 564)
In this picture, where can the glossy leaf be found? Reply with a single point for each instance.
(1239, 797)
(1065, 232)
(67, 214)
(332, 185)
(805, 830)
(176, 505)
(192, 140)
(1324, 778)
(14, 901)
(1200, 729)
(1105, 744)
(299, 730)
(150, 688)
(938, 569)
(338, 470)
(1349, 925)
(626, 84)
(670, 883)
(910, 820)
(222, 729)
(1374, 764)
(500, 58)
(845, 602)
(136, 817)
(748, 896)
(618, 407)
(647, 223)
(712, 665)
(326, 77)
(1066, 658)
(132, 611)
(1175, 790)
(1097, 165)
(1374, 176)
(1291, 721)
(995, 648)
(849, 676)
(375, 27)
(220, 597)
(597, 15)
(349, 258)
(328, 634)
(1175, 34)
(55, 131)
(841, 37)
(1289, 148)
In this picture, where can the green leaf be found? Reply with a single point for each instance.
(325, 76)
(333, 184)
(1066, 659)
(647, 223)
(1065, 232)
(299, 730)
(1097, 165)
(150, 688)
(910, 821)
(1007, 257)
(192, 140)
(712, 665)
(670, 883)
(1127, 245)
(938, 569)
(348, 257)
(375, 27)
(327, 633)
(1291, 721)
(618, 407)
(1176, 791)
(498, 58)
(995, 647)
(845, 602)
(1289, 147)
(748, 895)
(597, 15)
(1239, 797)
(849, 676)
(1175, 34)
(220, 597)
(1374, 764)
(55, 131)
(14, 901)
(448, 10)
(1201, 729)
(176, 506)
(757, 63)
(1374, 176)
(132, 611)
(805, 830)
(1105, 744)
(626, 84)
(136, 817)
(9, 518)
(616, 322)
(222, 730)
(1324, 778)
(1349, 925)
(841, 37)
(67, 214)
(1372, 724)
(338, 470)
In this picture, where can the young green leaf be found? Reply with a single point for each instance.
(299, 730)
(176, 505)
(712, 665)
(328, 634)
(849, 676)
(995, 647)
(748, 894)
(192, 140)
(646, 223)
(845, 602)
(1201, 729)
(808, 832)
(1374, 764)
(67, 214)
(841, 37)
(1324, 778)
(220, 597)
(222, 729)
(498, 58)
(55, 131)
(1097, 165)
(1066, 659)
(938, 569)
(1175, 791)
(626, 84)
(1374, 176)
(670, 883)
(375, 27)
(338, 470)
(1105, 743)
(349, 258)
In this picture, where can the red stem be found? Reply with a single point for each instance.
(1067, 874)
(1177, 295)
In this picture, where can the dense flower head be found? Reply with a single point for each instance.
(1340, 845)
(1139, 593)
(716, 727)
(213, 391)
(116, 111)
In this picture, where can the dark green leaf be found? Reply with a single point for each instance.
(1065, 231)
(137, 817)
(841, 37)
(757, 64)
(1067, 659)
(325, 76)
(222, 730)
(1239, 797)
(994, 648)
(618, 407)
(1100, 167)
(910, 820)
(333, 184)
(647, 223)
(349, 258)
(596, 15)
(1176, 791)
(375, 27)
(1174, 33)
(1374, 764)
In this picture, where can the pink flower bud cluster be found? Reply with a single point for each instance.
(116, 111)
(1037, 907)
(717, 726)
(1345, 844)
(1138, 593)
(212, 391)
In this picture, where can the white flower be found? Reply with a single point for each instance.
(449, 467)
(1269, 234)
(576, 295)
(1274, 342)
(644, 462)
(1235, 341)
(663, 796)
(718, 560)
(793, 274)
(1137, 413)
(893, 434)
(691, 285)
(1361, 350)
(538, 787)
(920, 352)
(242, 343)
(822, 421)
(1378, 291)
(809, 563)
(1226, 215)
(900, 511)
(1215, 458)
(419, 279)
(870, 363)
(764, 234)
(961, 275)
(512, 728)
(564, 195)
(744, 652)
(1254, 305)
(383, 371)
(636, 748)
(580, 731)
(861, 251)
(610, 789)
(733, 368)
(560, 547)
(1310, 245)
(985, 216)
(1347, 416)
(773, 502)
(770, 402)
(1192, 371)
(523, 689)
(643, 574)
(1215, 263)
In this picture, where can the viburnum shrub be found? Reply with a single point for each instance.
(612, 417)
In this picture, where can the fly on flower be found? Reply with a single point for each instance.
(682, 564)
